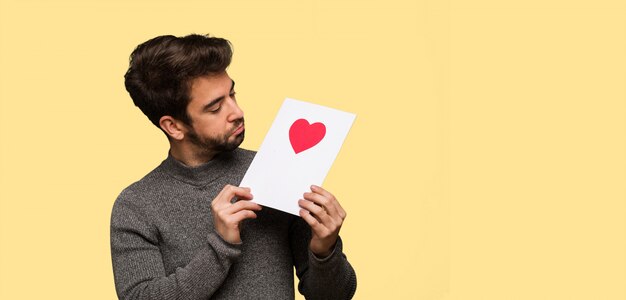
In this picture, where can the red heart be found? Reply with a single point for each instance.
(303, 135)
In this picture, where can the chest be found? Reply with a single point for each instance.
(186, 221)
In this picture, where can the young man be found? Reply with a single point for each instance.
(178, 233)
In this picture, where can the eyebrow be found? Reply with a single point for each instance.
(219, 99)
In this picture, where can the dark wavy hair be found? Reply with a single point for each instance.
(162, 69)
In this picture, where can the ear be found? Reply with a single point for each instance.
(174, 128)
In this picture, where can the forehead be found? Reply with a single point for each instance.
(205, 89)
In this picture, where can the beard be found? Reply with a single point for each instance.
(217, 144)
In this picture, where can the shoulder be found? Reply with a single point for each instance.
(132, 212)
(130, 200)
(137, 195)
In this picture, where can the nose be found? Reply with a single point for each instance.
(235, 112)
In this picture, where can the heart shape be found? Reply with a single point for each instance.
(303, 135)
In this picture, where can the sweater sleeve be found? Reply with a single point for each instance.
(329, 278)
(138, 265)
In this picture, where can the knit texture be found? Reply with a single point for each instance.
(164, 246)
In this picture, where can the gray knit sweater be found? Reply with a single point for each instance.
(164, 246)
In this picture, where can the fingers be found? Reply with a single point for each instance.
(227, 216)
(242, 205)
(340, 210)
(229, 192)
(222, 205)
(327, 200)
(313, 222)
(322, 211)
(242, 215)
(325, 203)
(318, 212)
(319, 190)
(232, 216)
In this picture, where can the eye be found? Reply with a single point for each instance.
(216, 110)
(232, 95)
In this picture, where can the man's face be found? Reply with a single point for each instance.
(217, 122)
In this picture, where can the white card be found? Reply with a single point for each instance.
(297, 152)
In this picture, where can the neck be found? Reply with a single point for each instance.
(190, 155)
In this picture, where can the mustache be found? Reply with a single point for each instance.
(237, 123)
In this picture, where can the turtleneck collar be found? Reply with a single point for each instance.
(202, 174)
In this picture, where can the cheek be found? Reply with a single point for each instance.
(211, 128)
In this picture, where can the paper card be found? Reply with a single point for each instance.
(297, 152)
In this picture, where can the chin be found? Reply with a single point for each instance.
(239, 138)
(234, 144)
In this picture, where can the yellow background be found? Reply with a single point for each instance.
(487, 161)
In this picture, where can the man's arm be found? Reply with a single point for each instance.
(138, 265)
(321, 265)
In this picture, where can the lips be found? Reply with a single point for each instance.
(238, 130)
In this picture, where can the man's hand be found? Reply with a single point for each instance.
(227, 216)
(322, 211)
